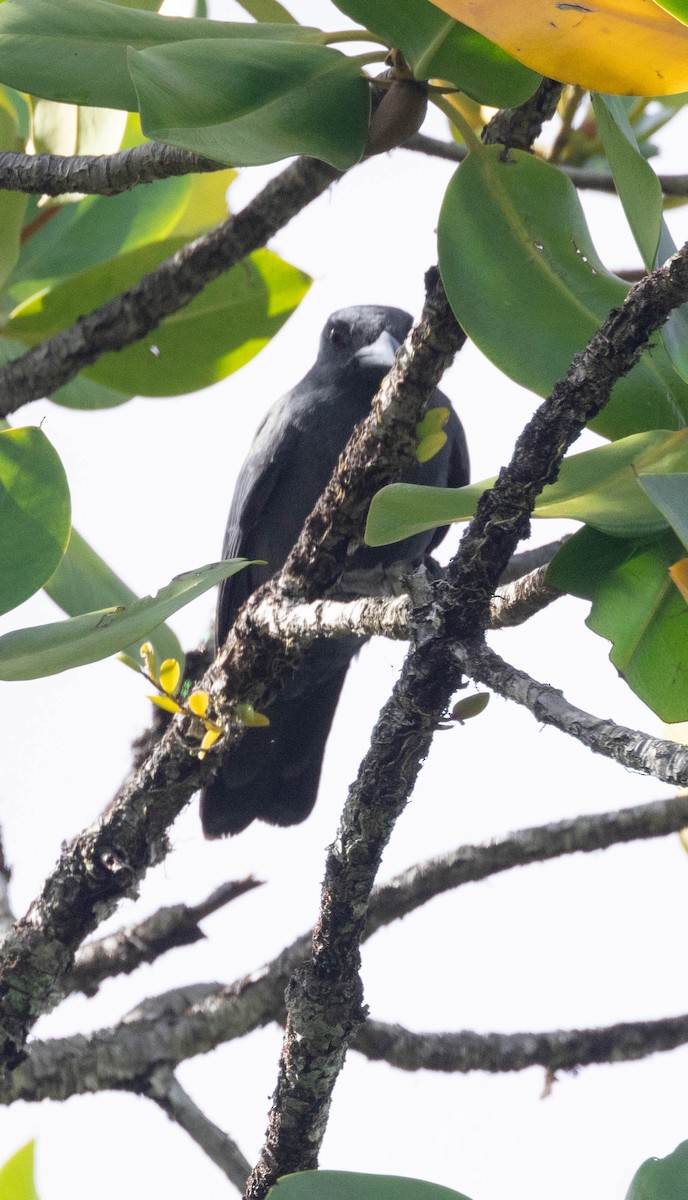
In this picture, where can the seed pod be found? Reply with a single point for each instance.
(399, 114)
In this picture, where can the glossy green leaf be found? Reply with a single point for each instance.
(77, 50)
(662, 1178)
(438, 47)
(348, 1185)
(599, 487)
(83, 583)
(635, 606)
(670, 495)
(34, 513)
(641, 196)
(637, 185)
(48, 649)
(16, 1175)
(526, 283)
(12, 204)
(223, 327)
(249, 102)
(97, 229)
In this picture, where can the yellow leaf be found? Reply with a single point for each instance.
(679, 574)
(430, 446)
(198, 703)
(209, 739)
(683, 838)
(626, 47)
(170, 672)
(150, 662)
(167, 703)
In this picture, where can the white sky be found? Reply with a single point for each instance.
(584, 941)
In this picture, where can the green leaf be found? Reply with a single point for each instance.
(662, 1178)
(12, 204)
(438, 47)
(77, 50)
(348, 1185)
(97, 229)
(641, 196)
(83, 583)
(34, 513)
(247, 102)
(47, 649)
(16, 1175)
(69, 129)
(527, 285)
(637, 185)
(267, 10)
(670, 495)
(678, 9)
(600, 487)
(222, 328)
(635, 606)
(85, 394)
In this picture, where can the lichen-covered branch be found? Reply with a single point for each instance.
(663, 759)
(559, 1050)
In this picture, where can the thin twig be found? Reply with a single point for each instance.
(672, 185)
(165, 1089)
(122, 952)
(664, 760)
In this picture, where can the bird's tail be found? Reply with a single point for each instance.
(273, 773)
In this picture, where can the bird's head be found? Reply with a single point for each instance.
(364, 337)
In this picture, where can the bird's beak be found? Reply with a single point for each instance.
(379, 354)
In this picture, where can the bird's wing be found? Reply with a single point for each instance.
(270, 456)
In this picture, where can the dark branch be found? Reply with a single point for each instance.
(560, 1050)
(99, 174)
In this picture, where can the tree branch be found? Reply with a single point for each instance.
(540, 843)
(560, 1050)
(124, 951)
(672, 185)
(168, 1029)
(106, 862)
(164, 1088)
(99, 174)
(665, 760)
(133, 314)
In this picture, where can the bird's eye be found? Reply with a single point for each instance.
(338, 336)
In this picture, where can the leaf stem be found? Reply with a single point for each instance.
(453, 114)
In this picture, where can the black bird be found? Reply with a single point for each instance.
(272, 774)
